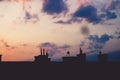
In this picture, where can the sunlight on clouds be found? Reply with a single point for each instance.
(25, 22)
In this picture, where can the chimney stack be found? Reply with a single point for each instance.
(41, 51)
(0, 58)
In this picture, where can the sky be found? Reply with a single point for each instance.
(59, 26)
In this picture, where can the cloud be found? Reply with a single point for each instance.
(70, 21)
(111, 15)
(88, 12)
(115, 4)
(107, 15)
(117, 35)
(27, 15)
(54, 6)
(54, 51)
(63, 22)
(47, 44)
(34, 17)
(103, 39)
(64, 47)
(112, 45)
(95, 42)
(7, 46)
(93, 14)
(24, 45)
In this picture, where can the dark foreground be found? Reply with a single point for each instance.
(59, 71)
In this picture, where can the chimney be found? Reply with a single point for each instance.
(0, 58)
(41, 51)
(46, 53)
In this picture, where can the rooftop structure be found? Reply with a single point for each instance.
(43, 57)
(81, 57)
(102, 57)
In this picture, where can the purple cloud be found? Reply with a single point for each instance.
(94, 42)
(54, 6)
(53, 49)
(88, 12)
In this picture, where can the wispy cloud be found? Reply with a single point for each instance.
(24, 45)
(34, 17)
(8, 46)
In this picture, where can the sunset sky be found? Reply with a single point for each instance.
(59, 26)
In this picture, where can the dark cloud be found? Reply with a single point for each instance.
(98, 42)
(63, 22)
(103, 39)
(47, 44)
(54, 49)
(89, 12)
(109, 15)
(54, 6)
(27, 15)
(94, 42)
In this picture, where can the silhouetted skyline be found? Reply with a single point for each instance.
(59, 26)
(43, 57)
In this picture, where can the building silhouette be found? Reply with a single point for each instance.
(102, 57)
(81, 57)
(43, 57)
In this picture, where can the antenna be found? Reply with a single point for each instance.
(68, 53)
(46, 53)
